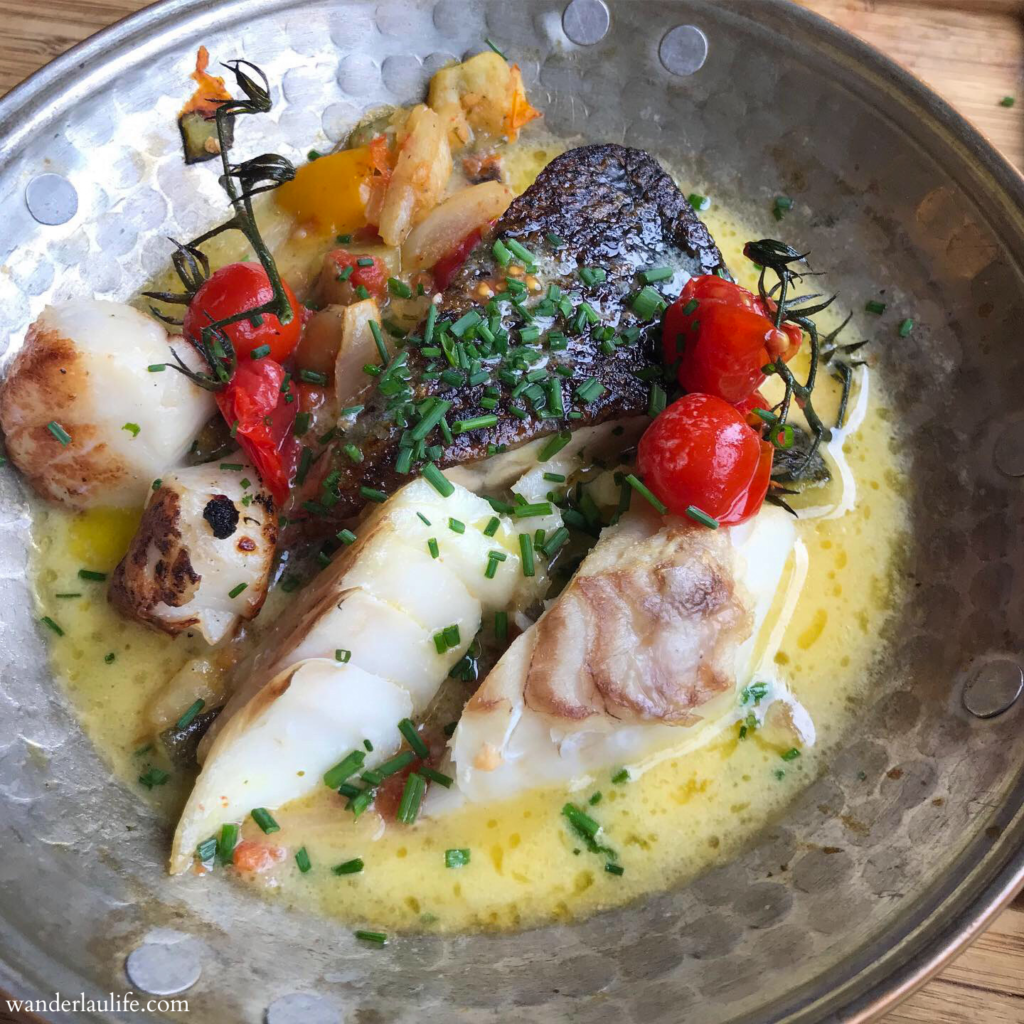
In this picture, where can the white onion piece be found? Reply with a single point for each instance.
(451, 221)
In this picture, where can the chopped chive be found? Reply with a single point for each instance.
(206, 849)
(657, 401)
(399, 288)
(701, 517)
(313, 377)
(697, 201)
(905, 327)
(490, 42)
(537, 508)
(437, 480)
(781, 205)
(345, 274)
(690, 307)
(347, 766)
(346, 536)
(154, 777)
(791, 755)
(302, 859)
(492, 526)
(555, 542)
(456, 858)
(372, 494)
(595, 798)
(1007, 101)
(412, 796)
(520, 251)
(343, 655)
(614, 869)
(67, 596)
(259, 352)
(501, 625)
(59, 432)
(622, 775)
(652, 274)
(408, 730)
(475, 423)
(590, 390)
(48, 622)
(432, 547)
(132, 428)
(555, 478)
(592, 275)
(190, 714)
(554, 445)
(109, 658)
(350, 867)
(581, 822)
(428, 326)
(227, 842)
(456, 525)
(89, 574)
(395, 764)
(644, 492)
(435, 776)
(377, 938)
(156, 484)
(368, 745)
(429, 420)
(781, 436)
(526, 548)
(235, 591)
(874, 306)
(465, 322)
(451, 635)
(647, 303)
(265, 820)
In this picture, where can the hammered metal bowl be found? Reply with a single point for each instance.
(885, 865)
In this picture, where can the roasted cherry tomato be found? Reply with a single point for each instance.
(230, 290)
(700, 452)
(373, 276)
(253, 404)
(746, 410)
(721, 337)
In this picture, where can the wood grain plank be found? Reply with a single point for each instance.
(972, 53)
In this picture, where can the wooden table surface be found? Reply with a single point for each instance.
(969, 51)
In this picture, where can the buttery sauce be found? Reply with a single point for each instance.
(525, 867)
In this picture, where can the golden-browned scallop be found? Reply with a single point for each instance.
(202, 555)
(85, 417)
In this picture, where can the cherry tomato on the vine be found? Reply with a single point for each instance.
(253, 404)
(232, 289)
(701, 452)
(721, 336)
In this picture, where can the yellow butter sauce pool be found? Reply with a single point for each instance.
(525, 866)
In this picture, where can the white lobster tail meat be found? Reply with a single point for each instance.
(299, 725)
(652, 638)
(201, 557)
(400, 616)
(85, 367)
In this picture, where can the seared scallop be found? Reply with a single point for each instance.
(86, 415)
(202, 555)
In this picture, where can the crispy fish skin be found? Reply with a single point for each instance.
(612, 207)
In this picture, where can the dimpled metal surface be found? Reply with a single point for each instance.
(914, 834)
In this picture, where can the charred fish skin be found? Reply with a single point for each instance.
(572, 347)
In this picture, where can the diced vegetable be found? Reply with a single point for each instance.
(331, 191)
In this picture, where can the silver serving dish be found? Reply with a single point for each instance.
(886, 865)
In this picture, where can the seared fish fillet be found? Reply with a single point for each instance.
(385, 597)
(654, 635)
(607, 210)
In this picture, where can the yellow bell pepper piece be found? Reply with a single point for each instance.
(330, 191)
